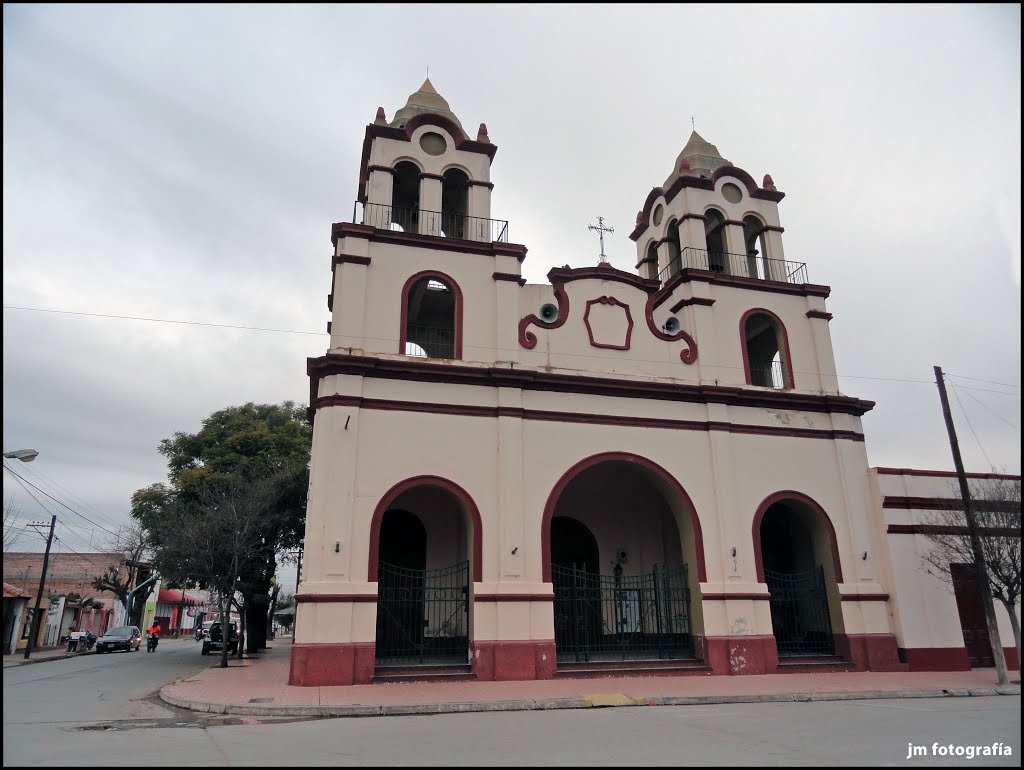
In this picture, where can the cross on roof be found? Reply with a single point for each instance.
(601, 230)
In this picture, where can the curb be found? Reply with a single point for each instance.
(65, 656)
(567, 703)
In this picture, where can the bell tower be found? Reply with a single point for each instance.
(421, 173)
(403, 278)
(712, 238)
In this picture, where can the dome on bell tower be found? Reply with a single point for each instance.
(425, 100)
(698, 158)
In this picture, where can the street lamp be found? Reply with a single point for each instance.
(25, 455)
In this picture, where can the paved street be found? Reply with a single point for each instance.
(102, 709)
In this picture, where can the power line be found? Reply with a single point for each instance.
(993, 411)
(162, 320)
(982, 448)
(7, 468)
(978, 379)
(47, 481)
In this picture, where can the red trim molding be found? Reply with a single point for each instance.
(681, 498)
(428, 175)
(478, 183)
(864, 597)
(946, 504)
(385, 169)
(688, 354)
(939, 529)
(705, 301)
(590, 331)
(752, 189)
(444, 278)
(936, 658)
(470, 511)
(437, 242)
(509, 277)
(543, 415)
(326, 665)
(514, 597)
(423, 370)
(780, 329)
(351, 259)
(943, 474)
(819, 314)
(799, 497)
(727, 597)
(689, 274)
(528, 339)
(330, 598)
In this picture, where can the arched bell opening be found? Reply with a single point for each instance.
(405, 197)
(625, 560)
(454, 203)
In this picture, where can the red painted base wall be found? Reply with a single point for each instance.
(870, 652)
(513, 660)
(738, 654)
(949, 658)
(322, 665)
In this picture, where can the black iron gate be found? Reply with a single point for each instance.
(611, 617)
(800, 619)
(422, 615)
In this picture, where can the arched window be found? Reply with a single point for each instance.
(674, 252)
(765, 350)
(405, 197)
(753, 238)
(714, 232)
(432, 317)
(651, 266)
(454, 203)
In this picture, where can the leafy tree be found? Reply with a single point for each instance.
(238, 444)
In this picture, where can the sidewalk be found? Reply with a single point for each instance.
(38, 656)
(259, 687)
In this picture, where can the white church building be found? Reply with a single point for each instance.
(650, 471)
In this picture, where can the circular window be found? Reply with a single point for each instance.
(433, 144)
(732, 193)
(658, 212)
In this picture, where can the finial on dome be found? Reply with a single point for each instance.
(481, 134)
(768, 183)
(380, 119)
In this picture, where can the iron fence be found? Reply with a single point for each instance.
(429, 341)
(768, 376)
(612, 617)
(445, 224)
(422, 615)
(799, 608)
(742, 265)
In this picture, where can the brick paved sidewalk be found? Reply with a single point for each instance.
(38, 656)
(259, 686)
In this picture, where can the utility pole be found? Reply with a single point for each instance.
(39, 596)
(972, 529)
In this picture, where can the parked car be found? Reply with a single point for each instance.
(125, 638)
(203, 631)
(214, 639)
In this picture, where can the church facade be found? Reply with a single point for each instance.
(613, 471)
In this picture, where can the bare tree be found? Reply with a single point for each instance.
(215, 537)
(997, 511)
(132, 545)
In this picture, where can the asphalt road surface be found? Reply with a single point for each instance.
(102, 710)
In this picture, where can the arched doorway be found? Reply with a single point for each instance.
(422, 542)
(798, 560)
(623, 552)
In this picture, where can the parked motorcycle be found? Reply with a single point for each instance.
(151, 640)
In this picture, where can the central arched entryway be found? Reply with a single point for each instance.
(797, 557)
(623, 552)
(424, 555)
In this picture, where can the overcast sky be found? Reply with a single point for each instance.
(186, 163)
